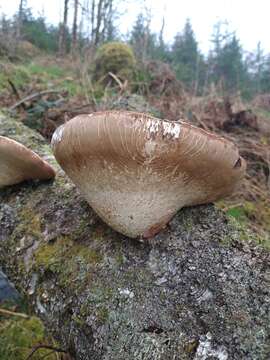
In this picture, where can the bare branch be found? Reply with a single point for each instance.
(31, 97)
(12, 313)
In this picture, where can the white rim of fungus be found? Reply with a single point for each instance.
(57, 135)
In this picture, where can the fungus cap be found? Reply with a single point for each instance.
(18, 163)
(137, 171)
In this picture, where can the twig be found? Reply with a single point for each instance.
(197, 118)
(16, 92)
(37, 347)
(77, 109)
(119, 82)
(31, 97)
(48, 354)
(8, 312)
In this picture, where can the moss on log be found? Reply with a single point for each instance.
(198, 290)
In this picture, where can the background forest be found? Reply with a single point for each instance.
(227, 65)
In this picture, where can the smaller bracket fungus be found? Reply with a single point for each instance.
(137, 171)
(18, 163)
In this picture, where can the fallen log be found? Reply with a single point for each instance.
(198, 290)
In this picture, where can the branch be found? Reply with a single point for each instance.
(8, 312)
(16, 92)
(119, 82)
(37, 347)
(31, 97)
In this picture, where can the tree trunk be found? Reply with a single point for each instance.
(197, 290)
(106, 20)
(62, 44)
(98, 23)
(161, 33)
(19, 20)
(196, 77)
(93, 20)
(74, 45)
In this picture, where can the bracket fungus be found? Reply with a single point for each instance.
(18, 163)
(137, 171)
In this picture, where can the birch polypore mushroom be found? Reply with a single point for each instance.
(18, 163)
(137, 171)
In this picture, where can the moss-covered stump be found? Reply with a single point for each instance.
(116, 58)
(198, 290)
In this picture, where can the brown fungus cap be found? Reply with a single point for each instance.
(18, 163)
(137, 171)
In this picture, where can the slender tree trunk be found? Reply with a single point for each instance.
(19, 20)
(93, 21)
(197, 75)
(75, 27)
(110, 25)
(99, 22)
(259, 68)
(161, 33)
(105, 20)
(145, 47)
(63, 31)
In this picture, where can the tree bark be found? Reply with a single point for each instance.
(199, 289)
(62, 45)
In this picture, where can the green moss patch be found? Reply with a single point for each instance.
(19, 336)
(72, 262)
(64, 248)
(237, 213)
(252, 219)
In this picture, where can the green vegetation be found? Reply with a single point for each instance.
(228, 66)
(246, 211)
(242, 217)
(51, 256)
(51, 71)
(44, 76)
(238, 213)
(18, 74)
(19, 336)
(262, 112)
(30, 225)
(186, 58)
(78, 260)
(22, 75)
(114, 57)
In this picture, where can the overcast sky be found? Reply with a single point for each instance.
(249, 18)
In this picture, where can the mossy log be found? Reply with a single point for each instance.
(198, 290)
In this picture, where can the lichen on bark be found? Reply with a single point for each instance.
(195, 291)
